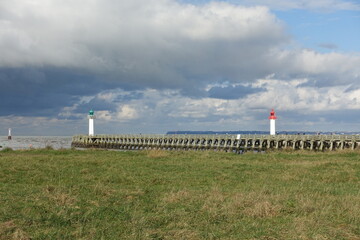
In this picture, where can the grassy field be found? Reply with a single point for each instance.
(68, 194)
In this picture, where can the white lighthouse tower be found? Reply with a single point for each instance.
(272, 118)
(9, 135)
(91, 122)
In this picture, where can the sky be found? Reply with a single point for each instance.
(152, 66)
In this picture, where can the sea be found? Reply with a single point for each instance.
(31, 142)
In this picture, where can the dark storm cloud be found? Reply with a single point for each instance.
(43, 92)
(233, 92)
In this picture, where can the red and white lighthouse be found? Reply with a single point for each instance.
(272, 118)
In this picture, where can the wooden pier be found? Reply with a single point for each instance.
(233, 143)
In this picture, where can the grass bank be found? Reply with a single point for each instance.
(67, 194)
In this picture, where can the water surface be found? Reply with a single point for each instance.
(27, 142)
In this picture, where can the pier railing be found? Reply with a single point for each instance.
(218, 142)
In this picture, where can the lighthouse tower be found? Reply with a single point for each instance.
(272, 118)
(91, 117)
(9, 135)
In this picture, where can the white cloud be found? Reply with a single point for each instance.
(316, 63)
(293, 96)
(104, 115)
(327, 69)
(126, 113)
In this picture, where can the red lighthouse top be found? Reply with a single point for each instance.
(272, 114)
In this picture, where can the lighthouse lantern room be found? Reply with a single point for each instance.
(272, 118)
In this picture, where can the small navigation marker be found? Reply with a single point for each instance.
(272, 118)
(9, 135)
(91, 117)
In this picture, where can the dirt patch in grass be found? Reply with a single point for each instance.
(178, 196)
(256, 205)
(59, 197)
(10, 231)
(157, 153)
(262, 209)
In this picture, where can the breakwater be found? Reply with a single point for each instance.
(234, 143)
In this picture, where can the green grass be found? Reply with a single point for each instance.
(68, 194)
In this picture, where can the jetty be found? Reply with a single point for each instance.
(231, 143)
